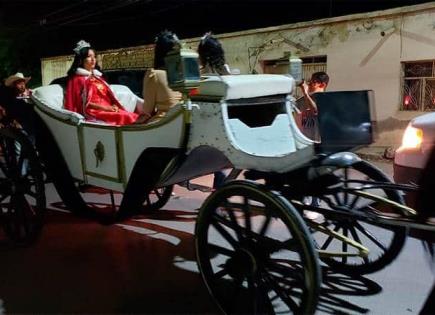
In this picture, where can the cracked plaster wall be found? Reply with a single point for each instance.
(364, 53)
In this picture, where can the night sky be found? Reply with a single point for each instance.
(31, 29)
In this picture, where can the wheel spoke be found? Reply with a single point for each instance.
(337, 199)
(357, 238)
(330, 238)
(233, 224)
(265, 225)
(236, 293)
(262, 303)
(281, 292)
(252, 291)
(247, 212)
(220, 274)
(221, 250)
(274, 245)
(344, 245)
(236, 227)
(370, 236)
(288, 270)
(354, 201)
(227, 236)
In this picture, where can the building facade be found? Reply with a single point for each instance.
(391, 52)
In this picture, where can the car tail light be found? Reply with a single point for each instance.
(412, 138)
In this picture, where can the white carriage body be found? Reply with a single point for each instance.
(104, 155)
(275, 146)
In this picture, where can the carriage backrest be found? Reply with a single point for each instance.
(52, 97)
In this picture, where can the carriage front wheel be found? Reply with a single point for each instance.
(22, 191)
(255, 253)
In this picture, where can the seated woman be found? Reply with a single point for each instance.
(212, 56)
(158, 97)
(89, 94)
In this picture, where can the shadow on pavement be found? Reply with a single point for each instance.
(80, 266)
(337, 286)
(144, 265)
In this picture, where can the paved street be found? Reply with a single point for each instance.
(147, 265)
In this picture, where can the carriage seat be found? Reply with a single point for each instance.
(127, 98)
(51, 98)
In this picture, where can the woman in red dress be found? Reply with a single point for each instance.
(89, 94)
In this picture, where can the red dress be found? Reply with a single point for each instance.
(83, 89)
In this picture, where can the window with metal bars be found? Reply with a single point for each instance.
(418, 88)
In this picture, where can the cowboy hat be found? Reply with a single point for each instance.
(15, 77)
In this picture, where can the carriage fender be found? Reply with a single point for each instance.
(341, 159)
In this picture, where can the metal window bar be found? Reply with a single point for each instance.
(418, 90)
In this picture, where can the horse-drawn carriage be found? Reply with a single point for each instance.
(257, 249)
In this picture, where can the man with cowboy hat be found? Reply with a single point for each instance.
(18, 83)
(15, 100)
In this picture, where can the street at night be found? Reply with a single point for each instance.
(147, 265)
(217, 157)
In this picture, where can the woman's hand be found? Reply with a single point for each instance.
(111, 108)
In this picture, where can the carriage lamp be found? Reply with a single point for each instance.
(182, 68)
(412, 138)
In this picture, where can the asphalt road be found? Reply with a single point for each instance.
(147, 265)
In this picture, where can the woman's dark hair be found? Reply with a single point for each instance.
(212, 54)
(78, 60)
(165, 42)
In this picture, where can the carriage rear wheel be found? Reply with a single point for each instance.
(255, 253)
(383, 242)
(22, 191)
(157, 198)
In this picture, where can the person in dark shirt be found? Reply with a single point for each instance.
(307, 104)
